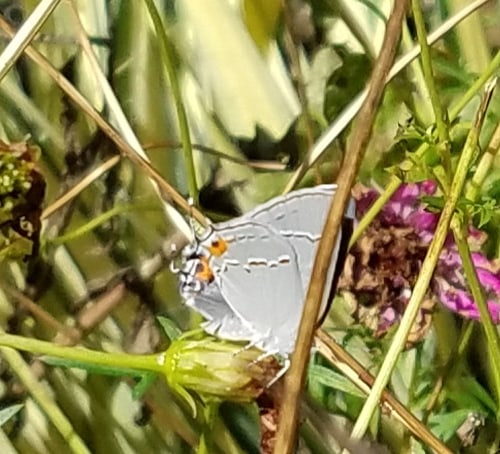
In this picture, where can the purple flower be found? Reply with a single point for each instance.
(385, 262)
(405, 208)
(450, 285)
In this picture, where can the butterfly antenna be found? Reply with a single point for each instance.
(192, 221)
(194, 238)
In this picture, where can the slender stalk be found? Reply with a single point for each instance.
(422, 108)
(374, 209)
(475, 87)
(25, 34)
(484, 166)
(490, 331)
(168, 59)
(449, 369)
(71, 193)
(96, 222)
(44, 400)
(294, 380)
(149, 363)
(440, 114)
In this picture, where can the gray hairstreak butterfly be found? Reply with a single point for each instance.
(248, 276)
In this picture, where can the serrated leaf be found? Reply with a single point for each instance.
(445, 425)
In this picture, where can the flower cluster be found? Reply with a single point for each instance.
(382, 267)
(22, 190)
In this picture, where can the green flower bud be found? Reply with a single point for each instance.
(217, 369)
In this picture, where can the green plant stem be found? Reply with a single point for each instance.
(395, 182)
(493, 340)
(450, 367)
(422, 108)
(372, 212)
(484, 166)
(471, 37)
(168, 59)
(475, 87)
(101, 219)
(351, 20)
(211, 413)
(423, 281)
(149, 363)
(44, 400)
(465, 336)
(440, 114)
(25, 34)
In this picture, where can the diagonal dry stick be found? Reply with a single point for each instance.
(167, 190)
(358, 375)
(287, 429)
(328, 136)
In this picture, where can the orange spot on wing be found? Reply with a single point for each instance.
(218, 247)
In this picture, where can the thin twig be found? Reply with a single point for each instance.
(79, 187)
(25, 34)
(440, 114)
(364, 380)
(287, 429)
(168, 191)
(352, 109)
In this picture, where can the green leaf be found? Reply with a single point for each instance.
(9, 412)
(334, 380)
(466, 392)
(169, 327)
(445, 425)
(433, 203)
(144, 383)
(472, 386)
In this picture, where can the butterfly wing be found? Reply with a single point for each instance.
(221, 320)
(299, 217)
(259, 278)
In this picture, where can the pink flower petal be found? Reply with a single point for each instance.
(405, 209)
